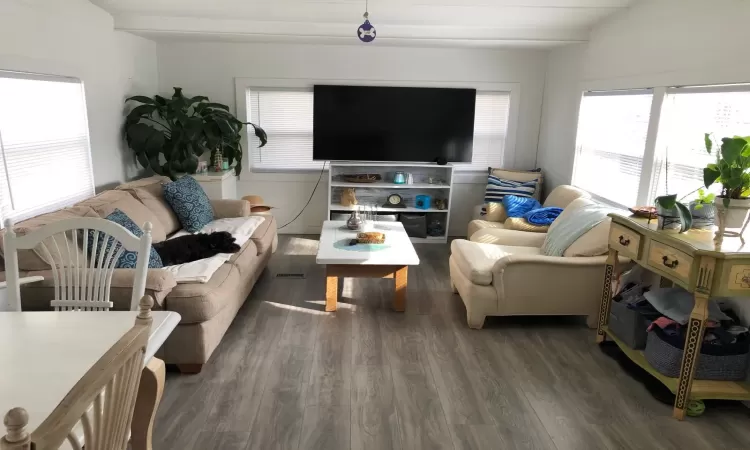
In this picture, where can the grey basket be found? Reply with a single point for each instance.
(667, 359)
(628, 325)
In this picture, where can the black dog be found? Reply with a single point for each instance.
(194, 247)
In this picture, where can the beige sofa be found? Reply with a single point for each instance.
(504, 273)
(207, 309)
(495, 217)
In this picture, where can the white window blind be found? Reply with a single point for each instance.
(490, 130)
(287, 118)
(611, 140)
(688, 114)
(45, 160)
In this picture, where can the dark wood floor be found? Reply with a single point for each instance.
(290, 376)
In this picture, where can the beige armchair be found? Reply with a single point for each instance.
(560, 197)
(504, 273)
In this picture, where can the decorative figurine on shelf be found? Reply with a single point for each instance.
(348, 198)
(441, 204)
(218, 162)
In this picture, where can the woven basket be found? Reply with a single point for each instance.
(667, 359)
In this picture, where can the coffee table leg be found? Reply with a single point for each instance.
(332, 292)
(400, 278)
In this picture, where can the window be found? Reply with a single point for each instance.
(688, 114)
(610, 144)
(45, 161)
(287, 118)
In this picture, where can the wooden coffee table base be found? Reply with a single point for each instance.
(334, 271)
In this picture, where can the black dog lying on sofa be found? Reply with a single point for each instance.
(193, 247)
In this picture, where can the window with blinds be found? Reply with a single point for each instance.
(287, 118)
(45, 161)
(688, 114)
(610, 143)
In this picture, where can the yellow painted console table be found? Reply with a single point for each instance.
(692, 261)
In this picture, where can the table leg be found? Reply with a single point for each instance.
(147, 402)
(606, 301)
(332, 292)
(400, 278)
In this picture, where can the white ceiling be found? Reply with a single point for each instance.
(473, 23)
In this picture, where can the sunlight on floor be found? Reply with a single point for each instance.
(301, 247)
(317, 312)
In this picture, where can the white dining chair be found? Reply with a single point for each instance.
(101, 403)
(82, 272)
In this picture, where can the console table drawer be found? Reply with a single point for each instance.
(626, 241)
(670, 260)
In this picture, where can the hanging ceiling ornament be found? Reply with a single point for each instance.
(366, 32)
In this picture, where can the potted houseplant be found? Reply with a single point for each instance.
(168, 135)
(672, 214)
(703, 210)
(732, 171)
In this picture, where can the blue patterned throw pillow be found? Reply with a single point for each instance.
(190, 203)
(128, 259)
(497, 188)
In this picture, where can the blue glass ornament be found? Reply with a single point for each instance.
(366, 32)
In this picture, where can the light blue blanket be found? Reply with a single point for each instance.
(568, 228)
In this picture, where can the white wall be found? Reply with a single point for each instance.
(654, 43)
(209, 68)
(76, 38)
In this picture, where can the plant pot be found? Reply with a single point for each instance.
(735, 215)
(668, 219)
(703, 217)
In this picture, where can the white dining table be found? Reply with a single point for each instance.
(44, 354)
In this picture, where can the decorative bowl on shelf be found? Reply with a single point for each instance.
(362, 178)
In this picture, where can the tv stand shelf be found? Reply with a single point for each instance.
(428, 179)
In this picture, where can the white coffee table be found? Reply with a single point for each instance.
(389, 260)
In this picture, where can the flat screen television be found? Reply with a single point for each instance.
(374, 123)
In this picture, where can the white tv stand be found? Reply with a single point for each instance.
(375, 194)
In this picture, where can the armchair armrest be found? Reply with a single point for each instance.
(477, 213)
(502, 236)
(564, 261)
(230, 208)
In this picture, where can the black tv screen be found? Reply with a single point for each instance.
(373, 123)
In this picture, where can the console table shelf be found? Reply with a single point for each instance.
(428, 179)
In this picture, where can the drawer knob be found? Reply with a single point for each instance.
(671, 264)
(624, 241)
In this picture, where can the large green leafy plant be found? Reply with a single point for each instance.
(731, 169)
(169, 135)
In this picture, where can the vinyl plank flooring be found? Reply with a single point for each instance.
(374, 421)
(288, 375)
(326, 428)
(475, 437)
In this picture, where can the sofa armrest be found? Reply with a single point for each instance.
(157, 280)
(503, 236)
(230, 208)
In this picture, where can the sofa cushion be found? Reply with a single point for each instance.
(107, 202)
(149, 191)
(477, 260)
(561, 196)
(594, 242)
(190, 202)
(495, 212)
(36, 259)
(199, 302)
(476, 225)
(265, 234)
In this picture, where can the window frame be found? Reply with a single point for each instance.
(36, 76)
(242, 85)
(654, 140)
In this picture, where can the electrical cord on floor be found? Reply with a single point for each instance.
(309, 199)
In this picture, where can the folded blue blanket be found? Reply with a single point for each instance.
(542, 216)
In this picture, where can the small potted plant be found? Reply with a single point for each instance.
(672, 215)
(703, 210)
(732, 170)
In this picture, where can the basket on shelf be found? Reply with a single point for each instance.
(667, 359)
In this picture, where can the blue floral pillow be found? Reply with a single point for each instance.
(189, 202)
(128, 259)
